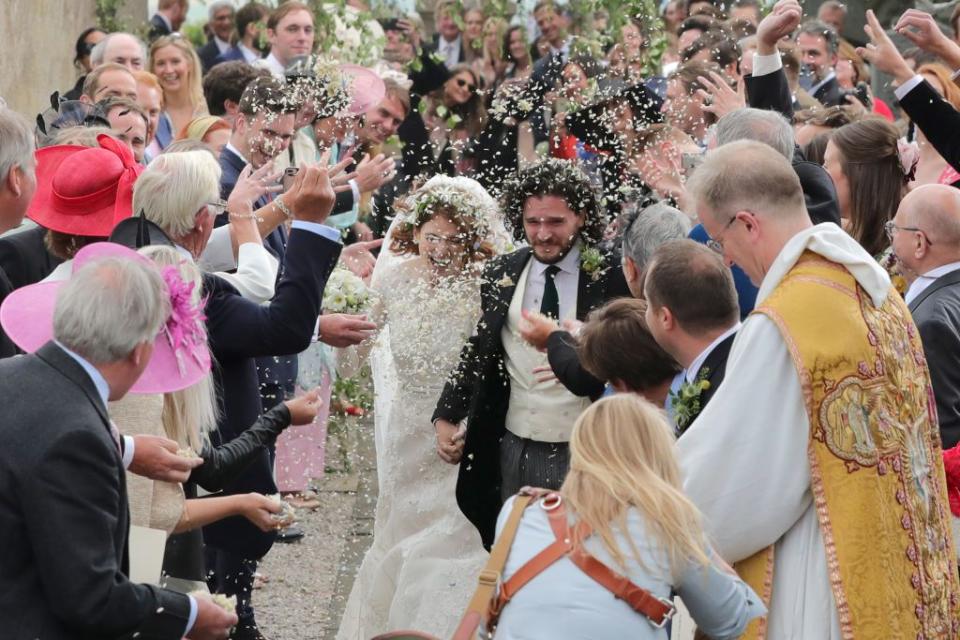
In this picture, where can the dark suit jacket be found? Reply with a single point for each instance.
(937, 118)
(480, 388)
(231, 54)
(829, 94)
(64, 518)
(208, 54)
(936, 311)
(714, 368)
(158, 28)
(435, 48)
(241, 331)
(24, 257)
(7, 348)
(563, 358)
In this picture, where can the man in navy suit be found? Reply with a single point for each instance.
(692, 313)
(247, 47)
(221, 24)
(170, 15)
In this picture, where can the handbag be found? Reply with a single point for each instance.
(479, 608)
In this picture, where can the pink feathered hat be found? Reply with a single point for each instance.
(180, 357)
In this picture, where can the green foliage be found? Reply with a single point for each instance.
(106, 11)
(194, 33)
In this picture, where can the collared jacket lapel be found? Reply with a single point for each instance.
(59, 360)
(947, 280)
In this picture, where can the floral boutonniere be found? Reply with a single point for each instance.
(592, 262)
(685, 402)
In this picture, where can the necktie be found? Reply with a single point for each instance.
(550, 305)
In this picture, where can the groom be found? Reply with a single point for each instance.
(518, 428)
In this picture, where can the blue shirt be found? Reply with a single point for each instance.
(746, 292)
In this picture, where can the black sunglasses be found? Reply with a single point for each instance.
(463, 83)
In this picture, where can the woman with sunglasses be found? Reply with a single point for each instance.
(86, 41)
(177, 67)
(454, 115)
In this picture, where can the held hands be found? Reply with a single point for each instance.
(155, 457)
(344, 330)
(536, 328)
(213, 621)
(778, 24)
(304, 409)
(882, 53)
(450, 439)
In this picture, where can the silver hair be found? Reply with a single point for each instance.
(99, 51)
(108, 307)
(761, 125)
(220, 4)
(653, 226)
(16, 143)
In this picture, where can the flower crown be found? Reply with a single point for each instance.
(470, 200)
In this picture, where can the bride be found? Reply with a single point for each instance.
(422, 567)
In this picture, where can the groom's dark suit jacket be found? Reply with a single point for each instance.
(936, 311)
(480, 388)
(64, 518)
(715, 366)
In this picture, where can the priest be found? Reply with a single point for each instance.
(817, 464)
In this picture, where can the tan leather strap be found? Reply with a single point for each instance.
(641, 600)
(479, 606)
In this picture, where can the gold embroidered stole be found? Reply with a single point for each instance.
(875, 459)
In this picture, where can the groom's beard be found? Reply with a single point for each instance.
(552, 252)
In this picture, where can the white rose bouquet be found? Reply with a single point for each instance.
(345, 293)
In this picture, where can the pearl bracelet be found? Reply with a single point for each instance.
(283, 208)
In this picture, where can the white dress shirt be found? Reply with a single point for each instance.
(566, 281)
(222, 45)
(694, 369)
(274, 66)
(249, 55)
(450, 50)
(922, 282)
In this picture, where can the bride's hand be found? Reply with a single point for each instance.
(450, 439)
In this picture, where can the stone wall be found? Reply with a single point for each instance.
(38, 38)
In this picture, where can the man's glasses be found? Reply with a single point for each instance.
(716, 243)
(472, 88)
(217, 208)
(891, 228)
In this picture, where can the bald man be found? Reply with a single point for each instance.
(925, 235)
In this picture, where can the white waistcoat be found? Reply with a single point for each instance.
(538, 411)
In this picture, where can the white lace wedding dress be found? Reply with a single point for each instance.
(423, 565)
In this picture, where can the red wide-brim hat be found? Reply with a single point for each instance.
(366, 88)
(181, 357)
(84, 191)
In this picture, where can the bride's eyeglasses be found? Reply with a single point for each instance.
(436, 240)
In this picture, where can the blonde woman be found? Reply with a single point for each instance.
(187, 417)
(178, 69)
(624, 504)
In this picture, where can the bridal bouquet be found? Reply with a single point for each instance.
(345, 293)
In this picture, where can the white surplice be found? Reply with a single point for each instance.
(744, 460)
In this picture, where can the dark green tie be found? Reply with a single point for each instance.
(550, 305)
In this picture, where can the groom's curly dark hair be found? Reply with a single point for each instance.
(559, 178)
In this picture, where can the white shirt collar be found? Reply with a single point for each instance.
(222, 45)
(275, 66)
(694, 369)
(183, 252)
(564, 49)
(249, 55)
(816, 87)
(98, 380)
(233, 149)
(569, 264)
(922, 282)
(451, 44)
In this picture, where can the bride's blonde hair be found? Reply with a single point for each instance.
(622, 456)
(191, 414)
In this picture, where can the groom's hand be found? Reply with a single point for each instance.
(449, 441)
(344, 330)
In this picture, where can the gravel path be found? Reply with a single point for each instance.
(309, 581)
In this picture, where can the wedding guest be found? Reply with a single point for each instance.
(18, 183)
(818, 44)
(925, 236)
(284, 326)
(150, 99)
(824, 306)
(682, 108)
(120, 48)
(109, 80)
(692, 313)
(128, 122)
(562, 273)
(73, 502)
(933, 169)
(250, 19)
(86, 41)
(628, 531)
(221, 20)
(516, 50)
(177, 67)
(170, 16)
(290, 32)
(871, 170)
(223, 87)
(448, 41)
(213, 131)
(616, 346)
(643, 231)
